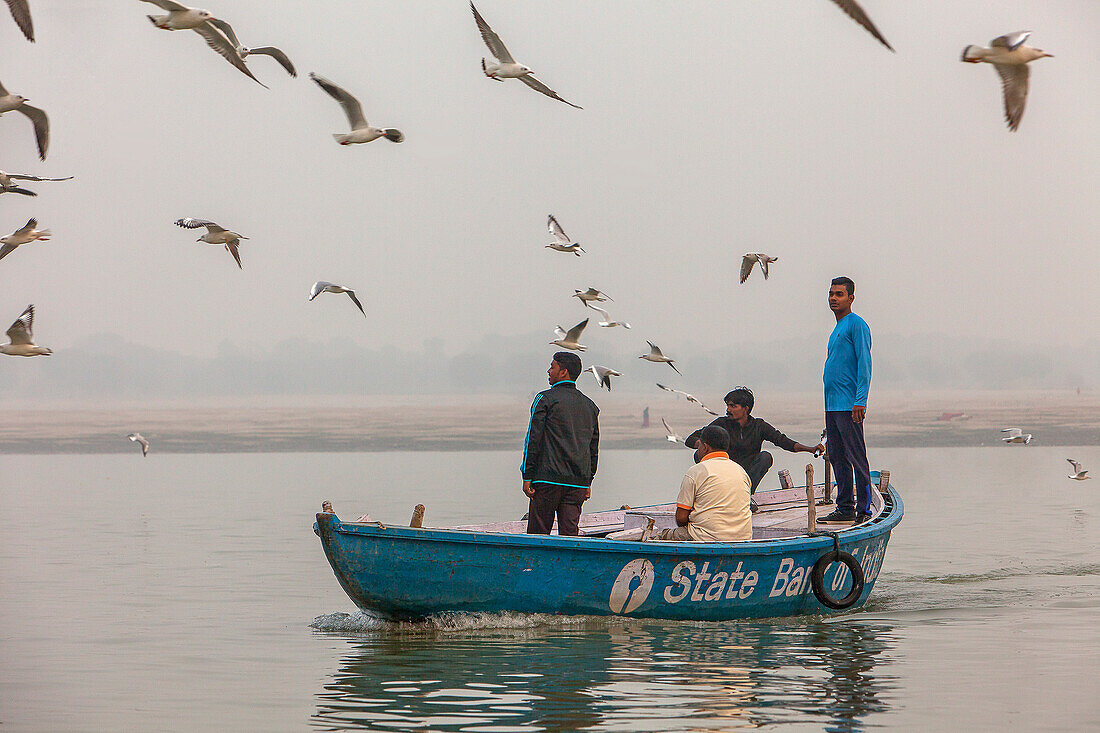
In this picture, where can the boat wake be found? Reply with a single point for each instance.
(998, 574)
(364, 623)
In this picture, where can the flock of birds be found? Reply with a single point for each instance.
(1007, 53)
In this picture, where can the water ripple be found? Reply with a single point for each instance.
(606, 674)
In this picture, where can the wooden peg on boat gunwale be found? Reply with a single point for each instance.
(418, 516)
(883, 481)
(828, 498)
(811, 501)
(326, 507)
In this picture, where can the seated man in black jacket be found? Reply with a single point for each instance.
(560, 452)
(747, 433)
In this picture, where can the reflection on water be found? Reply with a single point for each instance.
(609, 674)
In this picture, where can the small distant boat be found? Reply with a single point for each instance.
(401, 572)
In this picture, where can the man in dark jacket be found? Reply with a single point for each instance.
(747, 434)
(560, 451)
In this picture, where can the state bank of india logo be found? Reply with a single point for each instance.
(632, 586)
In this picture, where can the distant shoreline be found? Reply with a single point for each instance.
(473, 422)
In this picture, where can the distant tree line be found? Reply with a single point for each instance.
(112, 367)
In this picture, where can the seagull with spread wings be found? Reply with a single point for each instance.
(215, 235)
(1010, 57)
(689, 397)
(321, 286)
(590, 295)
(603, 375)
(656, 356)
(18, 103)
(179, 17)
(22, 14)
(1078, 472)
(28, 233)
(7, 186)
(607, 322)
(182, 18)
(1015, 435)
(568, 340)
(244, 52)
(671, 437)
(140, 440)
(507, 68)
(361, 130)
(21, 337)
(562, 242)
(856, 13)
(750, 259)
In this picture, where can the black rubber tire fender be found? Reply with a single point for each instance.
(817, 580)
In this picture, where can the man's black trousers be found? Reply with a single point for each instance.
(551, 499)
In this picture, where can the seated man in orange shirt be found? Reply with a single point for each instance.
(713, 505)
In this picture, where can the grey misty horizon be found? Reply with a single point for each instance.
(110, 366)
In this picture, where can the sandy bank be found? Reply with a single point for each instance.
(498, 423)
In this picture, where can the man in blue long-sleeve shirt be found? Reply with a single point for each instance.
(847, 378)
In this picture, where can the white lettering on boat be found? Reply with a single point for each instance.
(790, 580)
(702, 576)
(679, 577)
(706, 586)
(710, 582)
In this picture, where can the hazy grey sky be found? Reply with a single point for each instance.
(709, 130)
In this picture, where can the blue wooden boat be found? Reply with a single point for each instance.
(410, 572)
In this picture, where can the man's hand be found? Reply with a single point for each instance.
(858, 413)
(819, 450)
(528, 490)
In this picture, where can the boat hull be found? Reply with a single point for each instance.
(408, 573)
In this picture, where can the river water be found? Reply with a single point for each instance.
(188, 592)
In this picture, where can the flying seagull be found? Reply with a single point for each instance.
(139, 438)
(689, 397)
(215, 235)
(672, 437)
(182, 18)
(562, 242)
(21, 337)
(244, 52)
(322, 286)
(856, 13)
(507, 68)
(603, 375)
(607, 322)
(18, 103)
(1015, 435)
(750, 259)
(361, 131)
(569, 340)
(6, 185)
(1010, 57)
(179, 18)
(655, 355)
(591, 294)
(22, 14)
(28, 233)
(1078, 473)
